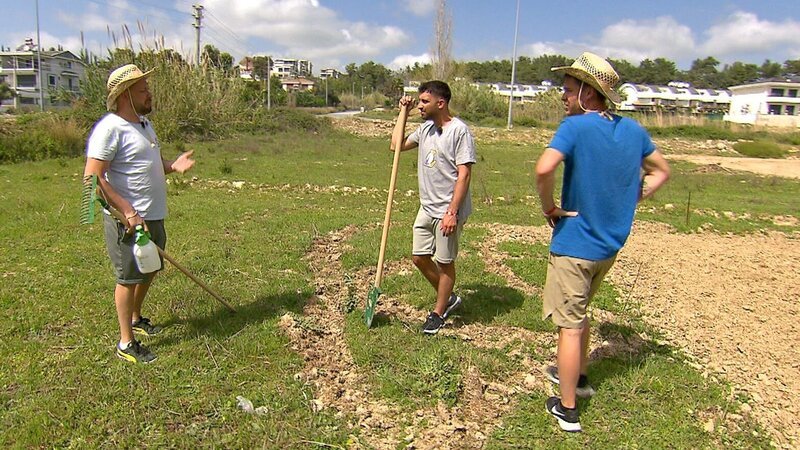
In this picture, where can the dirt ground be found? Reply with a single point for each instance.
(730, 302)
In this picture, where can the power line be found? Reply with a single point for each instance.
(230, 32)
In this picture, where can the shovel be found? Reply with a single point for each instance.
(375, 291)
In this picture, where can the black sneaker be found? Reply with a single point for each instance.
(584, 389)
(432, 324)
(136, 352)
(143, 326)
(567, 418)
(452, 303)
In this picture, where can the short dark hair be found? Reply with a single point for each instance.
(437, 88)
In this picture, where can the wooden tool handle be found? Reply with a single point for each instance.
(398, 147)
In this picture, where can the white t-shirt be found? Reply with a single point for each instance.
(440, 154)
(136, 171)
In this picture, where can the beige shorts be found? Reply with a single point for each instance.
(429, 240)
(571, 283)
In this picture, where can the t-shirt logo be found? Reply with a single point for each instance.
(430, 158)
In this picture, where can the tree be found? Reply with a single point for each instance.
(739, 73)
(214, 58)
(770, 69)
(442, 43)
(657, 71)
(5, 92)
(703, 73)
(791, 67)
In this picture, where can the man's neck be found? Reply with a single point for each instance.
(129, 115)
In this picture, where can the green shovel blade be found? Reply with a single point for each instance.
(372, 302)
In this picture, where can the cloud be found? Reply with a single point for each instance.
(403, 61)
(744, 32)
(305, 29)
(651, 38)
(420, 7)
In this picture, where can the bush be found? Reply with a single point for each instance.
(39, 136)
(760, 149)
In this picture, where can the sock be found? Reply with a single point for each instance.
(123, 346)
(583, 380)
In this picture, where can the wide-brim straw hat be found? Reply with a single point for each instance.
(596, 71)
(121, 79)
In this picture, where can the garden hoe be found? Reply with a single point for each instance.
(88, 197)
(375, 291)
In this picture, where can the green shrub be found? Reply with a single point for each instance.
(38, 136)
(760, 149)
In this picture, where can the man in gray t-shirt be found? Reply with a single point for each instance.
(446, 155)
(124, 153)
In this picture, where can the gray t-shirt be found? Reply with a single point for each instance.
(135, 171)
(440, 154)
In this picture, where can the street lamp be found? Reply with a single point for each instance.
(39, 58)
(513, 69)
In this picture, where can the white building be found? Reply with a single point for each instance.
(279, 67)
(522, 92)
(772, 102)
(329, 73)
(676, 96)
(19, 69)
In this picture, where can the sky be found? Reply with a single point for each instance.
(398, 33)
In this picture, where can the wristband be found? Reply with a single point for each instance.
(450, 213)
(547, 214)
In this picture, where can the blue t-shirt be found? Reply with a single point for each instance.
(602, 182)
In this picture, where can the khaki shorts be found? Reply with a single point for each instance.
(429, 240)
(571, 284)
(120, 248)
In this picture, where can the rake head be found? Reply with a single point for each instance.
(88, 196)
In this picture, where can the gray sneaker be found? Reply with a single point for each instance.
(452, 304)
(584, 389)
(143, 326)
(568, 419)
(433, 324)
(136, 352)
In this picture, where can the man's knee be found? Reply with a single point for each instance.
(421, 260)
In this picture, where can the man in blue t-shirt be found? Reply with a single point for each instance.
(604, 156)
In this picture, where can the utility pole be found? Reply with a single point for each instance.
(269, 82)
(326, 91)
(513, 70)
(39, 58)
(198, 19)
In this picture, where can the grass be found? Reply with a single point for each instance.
(760, 149)
(61, 386)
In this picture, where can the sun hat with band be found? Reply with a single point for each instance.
(595, 71)
(121, 79)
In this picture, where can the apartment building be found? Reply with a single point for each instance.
(676, 96)
(770, 102)
(20, 71)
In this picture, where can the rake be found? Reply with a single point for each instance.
(375, 291)
(88, 197)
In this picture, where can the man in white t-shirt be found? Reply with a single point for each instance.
(446, 156)
(124, 153)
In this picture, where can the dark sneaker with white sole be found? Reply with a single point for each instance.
(143, 326)
(433, 324)
(584, 389)
(452, 304)
(135, 352)
(567, 417)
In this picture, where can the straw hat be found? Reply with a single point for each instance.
(596, 71)
(121, 79)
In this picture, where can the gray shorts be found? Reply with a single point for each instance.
(429, 240)
(120, 248)
(570, 285)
